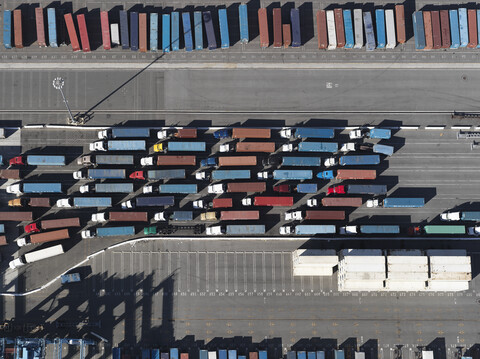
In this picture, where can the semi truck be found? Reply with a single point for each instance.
(243, 133)
(236, 230)
(177, 216)
(171, 188)
(100, 174)
(36, 256)
(380, 133)
(308, 229)
(307, 132)
(38, 160)
(348, 174)
(370, 229)
(109, 232)
(95, 160)
(30, 202)
(156, 201)
(461, 216)
(273, 201)
(120, 217)
(124, 132)
(84, 202)
(169, 160)
(391, 202)
(180, 147)
(178, 133)
(336, 202)
(44, 237)
(107, 188)
(19, 188)
(377, 189)
(286, 175)
(118, 145)
(315, 215)
(51, 224)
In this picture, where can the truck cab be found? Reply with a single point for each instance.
(285, 230)
(293, 216)
(330, 162)
(373, 203)
(282, 188)
(226, 148)
(326, 175)
(88, 234)
(287, 147)
(161, 216)
(87, 188)
(85, 161)
(312, 202)
(99, 217)
(140, 175)
(347, 147)
(216, 188)
(275, 161)
(147, 189)
(223, 133)
(128, 204)
(264, 175)
(474, 231)
(207, 162)
(158, 147)
(201, 204)
(215, 231)
(17, 262)
(14, 188)
(32, 228)
(202, 176)
(163, 134)
(349, 230)
(98, 146)
(246, 202)
(208, 216)
(336, 190)
(81, 174)
(356, 134)
(21, 242)
(64, 203)
(286, 133)
(16, 161)
(450, 216)
(103, 134)
(147, 161)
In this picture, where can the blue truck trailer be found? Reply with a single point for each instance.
(243, 19)
(339, 354)
(370, 43)
(175, 18)
(377, 189)
(360, 160)
(383, 149)
(307, 188)
(166, 174)
(380, 24)
(134, 31)
(166, 32)
(155, 201)
(262, 354)
(116, 353)
(7, 29)
(312, 229)
(114, 159)
(318, 147)
(178, 188)
(454, 29)
(209, 30)
(348, 24)
(155, 353)
(197, 24)
(311, 355)
(246, 229)
(124, 38)
(232, 354)
(307, 132)
(125, 132)
(119, 145)
(145, 353)
(52, 27)
(109, 232)
(154, 31)
(380, 229)
(419, 30)
(224, 35)
(187, 31)
(173, 353)
(38, 160)
(222, 354)
(186, 146)
(296, 28)
(301, 354)
(380, 133)
(301, 161)
(230, 174)
(85, 202)
(463, 26)
(292, 174)
(19, 188)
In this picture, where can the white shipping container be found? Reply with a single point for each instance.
(406, 276)
(422, 268)
(114, 34)
(427, 354)
(447, 286)
(407, 260)
(367, 260)
(443, 268)
(361, 252)
(450, 260)
(359, 355)
(446, 252)
(332, 34)
(312, 271)
(361, 276)
(309, 256)
(360, 286)
(390, 27)
(212, 355)
(358, 28)
(362, 267)
(405, 286)
(452, 276)
(405, 252)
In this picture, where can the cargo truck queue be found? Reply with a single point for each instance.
(228, 194)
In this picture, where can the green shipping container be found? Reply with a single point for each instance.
(442, 229)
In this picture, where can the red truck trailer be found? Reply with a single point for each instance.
(105, 30)
(237, 161)
(445, 27)
(186, 133)
(40, 27)
(49, 236)
(436, 29)
(325, 215)
(246, 187)
(287, 35)
(400, 23)
(263, 28)
(17, 28)
(16, 216)
(251, 133)
(222, 203)
(169, 160)
(268, 147)
(273, 201)
(342, 202)
(277, 28)
(322, 29)
(239, 215)
(356, 174)
(72, 33)
(339, 27)
(82, 29)
(472, 29)
(128, 216)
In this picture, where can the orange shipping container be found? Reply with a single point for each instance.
(186, 133)
(40, 27)
(222, 203)
(10, 174)
(17, 23)
(472, 28)
(263, 27)
(268, 147)
(237, 161)
(339, 27)
(251, 133)
(427, 24)
(342, 202)
(105, 30)
(277, 28)
(437, 32)
(287, 35)
(357, 174)
(142, 31)
(49, 236)
(16, 216)
(400, 22)
(322, 29)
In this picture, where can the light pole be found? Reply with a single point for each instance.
(58, 83)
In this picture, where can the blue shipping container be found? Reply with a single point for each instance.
(211, 39)
(116, 353)
(134, 31)
(39, 160)
(175, 31)
(339, 354)
(224, 36)
(222, 354)
(124, 38)
(173, 353)
(52, 27)
(370, 43)
(232, 354)
(7, 29)
(373, 229)
(230, 174)
(84, 202)
(187, 31)
(115, 231)
(197, 23)
(418, 30)
(311, 355)
(262, 354)
(153, 32)
(145, 353)
(320, 354)
(186, 146)
(301, 355)
(301, 161)
(307, 188)
(318, 147)
(349, 39)
(463, 22)
(243, 17)
(292, 174)
(203, 354)
(380, 22)
(166, 32)
(178, 188)
(155, 354)
(454, 29)
(306, 132)
(296, 29)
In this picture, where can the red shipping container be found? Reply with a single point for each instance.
(277, 28)
(445, 27)
(40, 27)
(239, 215)
(339, 27)
(105, 30)
(72, 33)
(82, 29)
(400, 23)
(427, 25)
(274, 201)
(287, 35)
(17, 27)
(222, 203)
(322, 29)
(263, 27)
(437, 32)
(472, 29)
(142, 32)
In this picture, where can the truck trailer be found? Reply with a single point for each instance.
(100, 174)
(156, 201)
(360, 160)
(107, 188)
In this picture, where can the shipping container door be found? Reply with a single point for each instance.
(418, 30)
(400, 22)
(17, 27)
(369, 34)
(187, 31)
(72, 32)
(208, 22)
(332, 35)
(472, 28)
(436, 30)
(82, 29)
(322, 29)
(390, 27)
(115, 33)
(7, 29)
(263, 28)
(358, 24)
(40, 27)
(347, 21)
(175, 18)
(153, 32)
(277, 28)
(287, 35)
(463, 24)
(296, 28)
(380, 27)
(224, 35)
(243, 18)
(445, 27)
(478, 28)
(166, 32)
(339, 29)
(124, 30)
(134, 31)
(52, 27)
(197, 23)
(105, 30)
(427, 25)
(454, 29)
(142, 32)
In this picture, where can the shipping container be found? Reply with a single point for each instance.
(128, 216)
(370, 43)
(339, 29)
(230, 174)
(251, 133)
(400, 23)
(176, 160)
(296, 28)
(263, 28)
(287, 35)
(347, 21)
(16, 216)
(454, 29)
(142, 32)
(246, 187)
(60, 223)
(40, 26)
(478, 28)
(427, 25)
(153, 32)
(52, 27)
(380, 27)
(134, 31)
(49, 236)
(444, 229)
(173, 353)
(125, 38)
(232, 354)
(197, 23)
(105, 30)
(10, 174)
(330, 147)
(268, 147)
(273, 201)
(463, 24)
(418, 30)
(356, 174)
(445, 28)
(253, 355)
(222, 203)
(239, 215)
(187, 31)
(436, 30)
(325, 215)
(358, 24)
(243, 19)
(390, 27)
(277, 28)
(472, 29)
(166, 32)
(7, 29)
(237, 161)
(342, 202)
(322, 29)
(245, 229)
(82, 29)
(72, 33)
(175, 19)
(209, 30)
(223, 22)
(17, 22)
